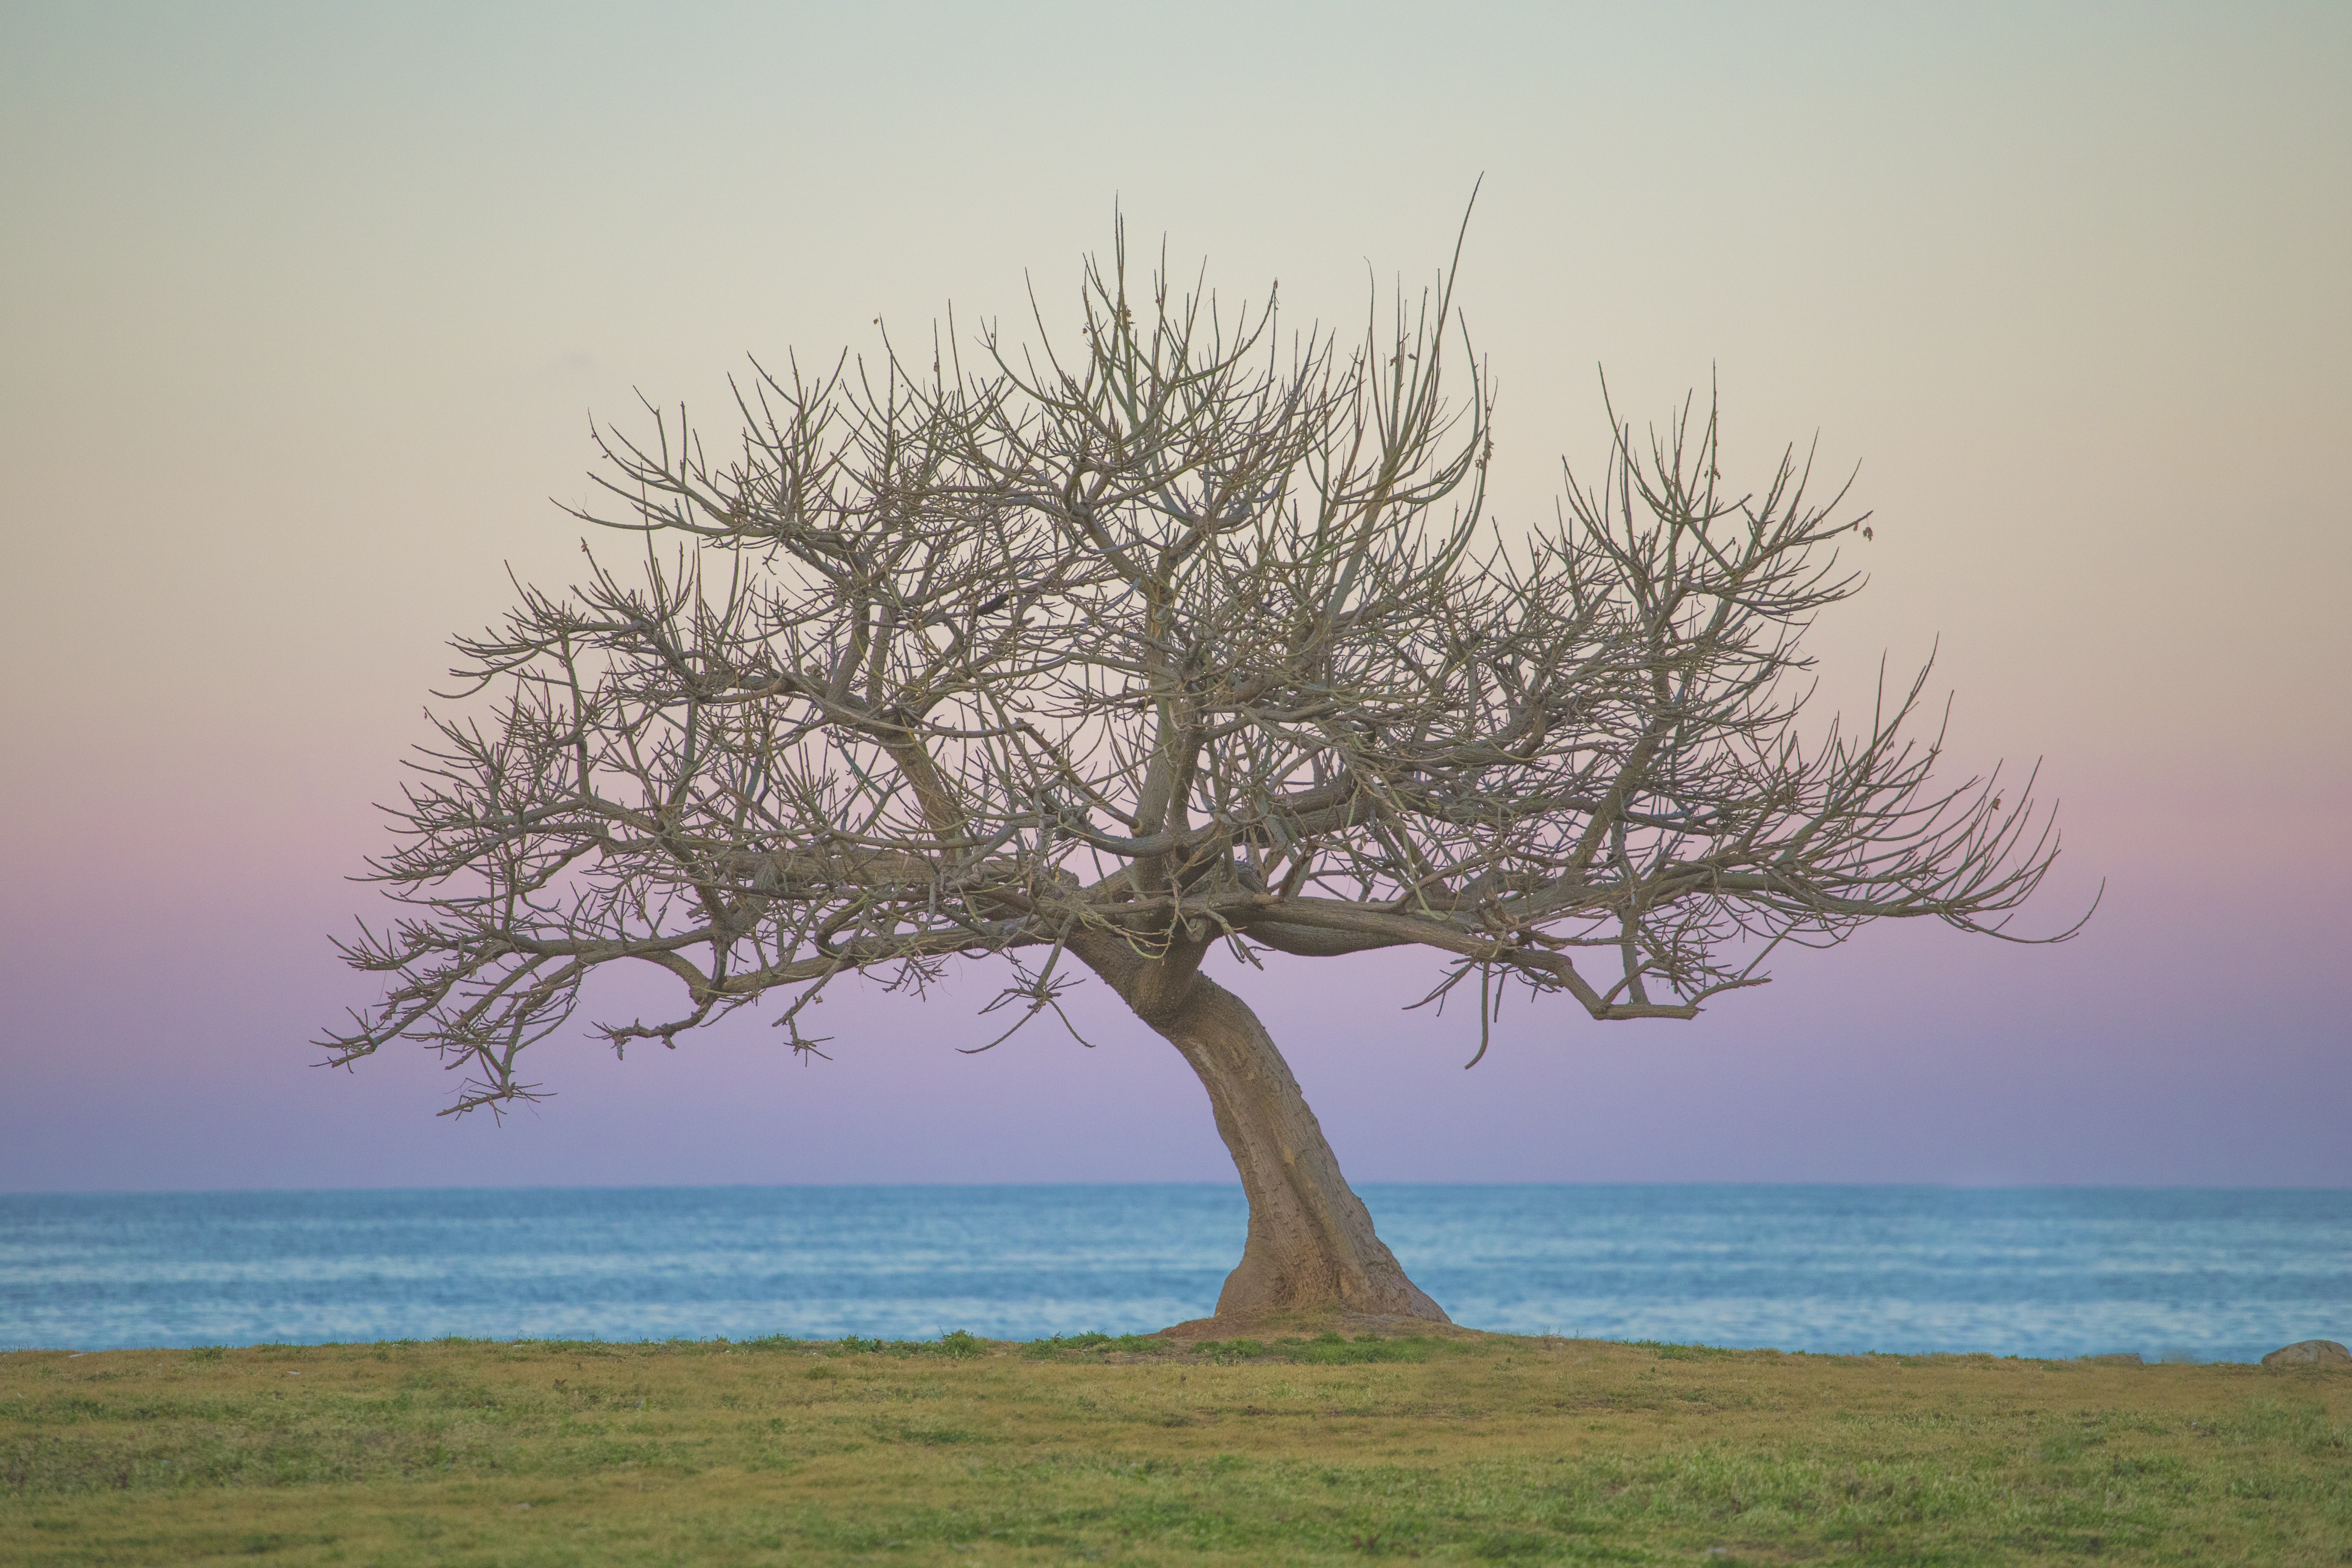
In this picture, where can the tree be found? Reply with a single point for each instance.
(1092, 659)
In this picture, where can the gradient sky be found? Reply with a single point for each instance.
(306, 310)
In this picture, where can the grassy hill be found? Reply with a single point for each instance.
(1298, 1448)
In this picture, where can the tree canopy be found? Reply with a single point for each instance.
(1092, 654)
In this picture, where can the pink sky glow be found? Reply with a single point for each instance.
(308, 311)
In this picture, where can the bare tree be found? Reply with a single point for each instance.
(1090, 658)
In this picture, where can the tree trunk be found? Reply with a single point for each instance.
(1311, 1242)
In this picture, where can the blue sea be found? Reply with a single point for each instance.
(2190, 1274)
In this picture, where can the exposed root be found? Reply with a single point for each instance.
(1309, 1322)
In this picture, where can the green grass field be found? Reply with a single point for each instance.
(1305, 1450)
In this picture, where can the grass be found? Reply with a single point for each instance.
(1301, 1450)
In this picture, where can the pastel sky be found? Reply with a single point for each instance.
(306, 310)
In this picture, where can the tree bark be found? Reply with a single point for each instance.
(1311, 1242)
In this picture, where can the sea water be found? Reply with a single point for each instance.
(2189, 1274)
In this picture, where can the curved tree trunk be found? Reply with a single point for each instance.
(1311, 1242)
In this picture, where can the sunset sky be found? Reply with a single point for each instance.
(308, 308)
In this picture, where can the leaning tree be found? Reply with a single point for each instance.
(1091, 657)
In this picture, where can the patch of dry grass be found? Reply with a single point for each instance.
(1315, 1451)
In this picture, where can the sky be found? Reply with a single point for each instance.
(307, 310)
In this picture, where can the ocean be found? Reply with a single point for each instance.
(2195, 1275)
